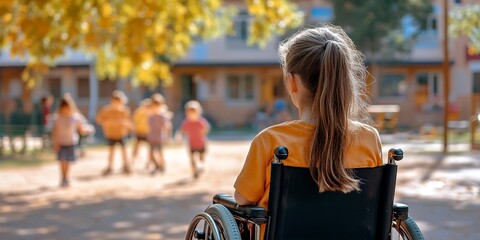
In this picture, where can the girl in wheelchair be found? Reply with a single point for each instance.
(325, 78)
(351, 195)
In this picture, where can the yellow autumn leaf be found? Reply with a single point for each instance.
(140, 39)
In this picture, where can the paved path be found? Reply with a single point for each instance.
(442, 193)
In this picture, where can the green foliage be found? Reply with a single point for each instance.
(128, 38)
(372, 24)
(466, 21)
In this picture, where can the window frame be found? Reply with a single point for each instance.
(242, 91)
(430, 38)
(434, 80)
(475, 74)
(237, 41)
(381, 78)
(431, 84)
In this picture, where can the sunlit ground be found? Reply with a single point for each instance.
(441, 190)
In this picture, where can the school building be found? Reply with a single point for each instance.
(415, 81)
(233, 80)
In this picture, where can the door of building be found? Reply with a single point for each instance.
(189, 88)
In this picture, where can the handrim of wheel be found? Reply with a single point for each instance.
(209, 231)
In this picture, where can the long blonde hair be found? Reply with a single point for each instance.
(333, 71)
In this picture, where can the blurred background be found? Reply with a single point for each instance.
(423, 59)
(91, 48)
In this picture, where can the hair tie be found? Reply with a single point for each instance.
(327, 43)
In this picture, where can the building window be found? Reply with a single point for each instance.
(240, 87)
(83, 87)
(429, 37)
(54, 87)
(432, 24)
(106, 87)
(189, 88)
(239, 38)
(392, 85)
(428, 92)
(476, 82)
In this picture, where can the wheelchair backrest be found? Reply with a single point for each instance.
(298, 211)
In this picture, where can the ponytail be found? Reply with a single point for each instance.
(332, 70)
(331, 107)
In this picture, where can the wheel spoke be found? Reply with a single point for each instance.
(209, 231)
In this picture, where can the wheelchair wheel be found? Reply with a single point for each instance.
(225, 221)
(215, 223)
(202, 227)
(407, 230)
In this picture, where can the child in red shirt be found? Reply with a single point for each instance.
(196, 128)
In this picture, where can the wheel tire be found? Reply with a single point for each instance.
(408, 229)
(210, 228)
(225, 222)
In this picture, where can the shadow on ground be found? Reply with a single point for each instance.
(443, 219)
(101, 218)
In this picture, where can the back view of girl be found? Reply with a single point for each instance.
(324, 75)
(67, 124)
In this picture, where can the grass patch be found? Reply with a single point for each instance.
(240, 131)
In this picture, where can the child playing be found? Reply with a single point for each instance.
(324, 76)
(140, 121)
(196, 128)
(115, 121)
(88, 129)
(67, 123)
(158, 126)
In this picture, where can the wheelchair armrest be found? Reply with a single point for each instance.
(400, 211)
(251, 212)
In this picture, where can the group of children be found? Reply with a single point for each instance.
(151, 123)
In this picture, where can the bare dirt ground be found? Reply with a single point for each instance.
(442, 192)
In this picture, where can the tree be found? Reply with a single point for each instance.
(466, 21)
(375, 24)
(128, 38)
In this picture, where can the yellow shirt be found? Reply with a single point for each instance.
(253, 183)
(115, 121)
(140, 120)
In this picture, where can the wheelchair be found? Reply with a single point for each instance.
(296, 210)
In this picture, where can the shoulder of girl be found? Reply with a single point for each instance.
(272, 130)
(258, 139)
(371, 132)
(362, 127)
(266, 133)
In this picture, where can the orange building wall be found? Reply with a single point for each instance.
(9, 74)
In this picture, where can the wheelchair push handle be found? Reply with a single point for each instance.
(280, 153)
(395, 154)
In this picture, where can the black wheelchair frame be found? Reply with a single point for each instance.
(298, 211)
